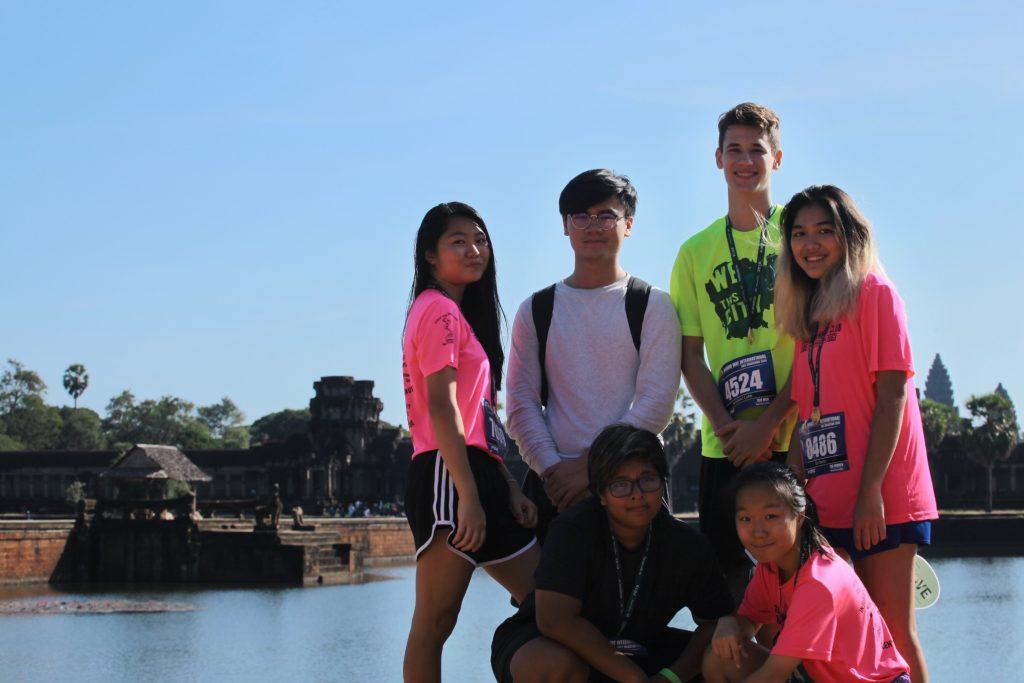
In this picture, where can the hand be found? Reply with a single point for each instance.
(745, 441)
(869, 519)
(564, 482)
(727, 641)
(472, 529)
(523, 509)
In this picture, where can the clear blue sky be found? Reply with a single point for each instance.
(207, 199)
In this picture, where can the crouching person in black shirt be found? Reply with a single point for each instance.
(615, 569)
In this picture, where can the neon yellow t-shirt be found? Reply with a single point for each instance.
(709, 300)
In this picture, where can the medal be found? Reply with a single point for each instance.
(816, 415)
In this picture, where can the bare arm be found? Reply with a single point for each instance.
(558, 617)
(451, 444)
(688, 664)
(701, 384)
(869, 513)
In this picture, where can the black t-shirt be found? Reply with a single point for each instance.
(577, 560)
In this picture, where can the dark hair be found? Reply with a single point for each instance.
(783, 482)
(618, 444)
(799, 299)
(750, 114)
(480, 303)
(593, 187)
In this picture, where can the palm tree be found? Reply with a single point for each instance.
(76, 381)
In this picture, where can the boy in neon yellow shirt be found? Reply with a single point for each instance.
(722, 286)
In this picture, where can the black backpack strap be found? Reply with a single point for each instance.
(543, 306)
(637, 294)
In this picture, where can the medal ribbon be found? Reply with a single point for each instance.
(815, 367)
(626, 610)
(749, 300)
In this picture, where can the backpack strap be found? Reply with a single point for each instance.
(637, 294)
(543, 306)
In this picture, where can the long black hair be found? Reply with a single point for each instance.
(782, 481)
(480, 303)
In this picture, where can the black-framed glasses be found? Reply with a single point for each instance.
(605, 220)
(647, 483)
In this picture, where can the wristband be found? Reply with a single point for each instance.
(669, 675)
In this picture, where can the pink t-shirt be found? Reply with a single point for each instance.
(436, 336)
(828, 621)
(873, 339)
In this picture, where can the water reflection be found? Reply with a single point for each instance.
(346, 633)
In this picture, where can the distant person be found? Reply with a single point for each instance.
(464, 507)
(615, 570)
(722, 289)
(827, 621)
(861, 444)
(596, 348)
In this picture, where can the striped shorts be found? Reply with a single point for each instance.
(432, 502)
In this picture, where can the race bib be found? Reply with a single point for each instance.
(747, 382)
(824, 445)
(497, 438)
(628, 647)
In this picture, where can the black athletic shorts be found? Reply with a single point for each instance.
(431, 501)
(521, 628)
(533, 488)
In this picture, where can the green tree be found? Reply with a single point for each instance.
(938, 387)
(940, 421)
(681, 432)
(76, 381)
(990, 434)
(169, 420)
(280, 425)
(8, 443)
(81, 430)
(34, 424)
(18, 385)
(236, 437)
(221, 417)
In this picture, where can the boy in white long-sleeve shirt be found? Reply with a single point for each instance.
(599, 367)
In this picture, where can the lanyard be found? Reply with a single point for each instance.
(626, 610)
(749, 300)
(815, 366)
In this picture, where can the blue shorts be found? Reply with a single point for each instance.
(895, 535)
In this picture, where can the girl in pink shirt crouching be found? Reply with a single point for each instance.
(826, 619)
(860, 443)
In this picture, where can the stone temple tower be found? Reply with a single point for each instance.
(345, 428)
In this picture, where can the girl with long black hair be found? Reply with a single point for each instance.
(464, 507)
(826, 618)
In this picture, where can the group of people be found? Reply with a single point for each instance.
(815, 491)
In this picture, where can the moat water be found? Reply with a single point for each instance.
(357, 633)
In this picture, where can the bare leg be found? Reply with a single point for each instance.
(516, 575)
(542, 660)
(889, 578)
(715, 669)
(441, 581)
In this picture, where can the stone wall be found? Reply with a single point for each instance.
(31, 551)
(381, 540)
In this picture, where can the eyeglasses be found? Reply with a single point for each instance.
(647, 483)
(605, 220)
